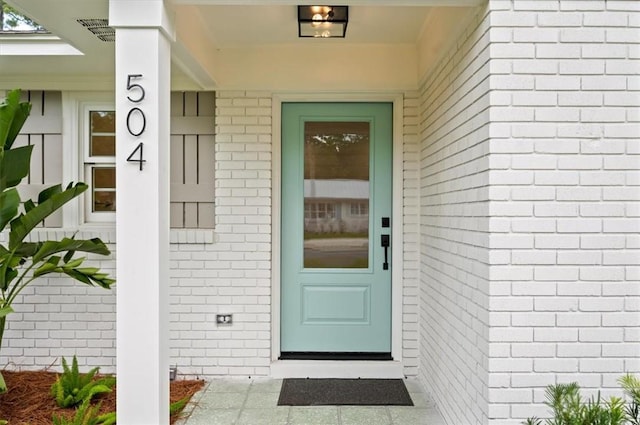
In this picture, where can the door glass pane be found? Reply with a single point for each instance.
(336, 195)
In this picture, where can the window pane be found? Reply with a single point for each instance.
(104, 201)
(103, 133)
(103, 121)
(103, 146)
(104, 177)
(336, 195)
(104, 189)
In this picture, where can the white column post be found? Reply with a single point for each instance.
(142, 95)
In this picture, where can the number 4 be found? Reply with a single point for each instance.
(140, 159)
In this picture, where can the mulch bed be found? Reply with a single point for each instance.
(28, 400)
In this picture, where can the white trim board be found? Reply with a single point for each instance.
(289, 368)
(337, 369)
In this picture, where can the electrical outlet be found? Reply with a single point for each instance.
(224, 319)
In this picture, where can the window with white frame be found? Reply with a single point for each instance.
(99, 148)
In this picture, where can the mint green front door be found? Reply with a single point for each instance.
(336, 219)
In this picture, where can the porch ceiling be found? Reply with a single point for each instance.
(250, 25)
(219, 43)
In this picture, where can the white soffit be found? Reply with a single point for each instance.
(41, 45)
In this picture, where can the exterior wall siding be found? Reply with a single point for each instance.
(454, 228)
(564, 200)
(43, 131)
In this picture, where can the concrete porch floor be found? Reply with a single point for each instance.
(254, 402)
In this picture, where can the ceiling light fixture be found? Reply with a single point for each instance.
(323, 21)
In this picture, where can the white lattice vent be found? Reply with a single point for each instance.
(100, 28)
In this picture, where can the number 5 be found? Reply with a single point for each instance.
(132, 86)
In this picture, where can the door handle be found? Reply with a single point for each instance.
(385, 242)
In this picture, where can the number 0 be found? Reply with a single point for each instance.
(144, 121)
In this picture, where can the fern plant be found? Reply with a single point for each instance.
(631, 387)
(87, 415)
(569, 408)
(72, 388)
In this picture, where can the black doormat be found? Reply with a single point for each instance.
(343, 392)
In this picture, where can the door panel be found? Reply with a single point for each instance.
(336, 174)
(332, 305)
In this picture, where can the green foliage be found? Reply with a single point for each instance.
(72, 388)
(631, 386)
(178, 406)
(569, 408)
(21, 262)
(87, 415)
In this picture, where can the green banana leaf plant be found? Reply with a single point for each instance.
(23, 261)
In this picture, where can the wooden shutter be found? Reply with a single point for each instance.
(192, 159)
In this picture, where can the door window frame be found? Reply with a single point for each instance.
(397, 211)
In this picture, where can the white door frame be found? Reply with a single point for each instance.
(339, 369)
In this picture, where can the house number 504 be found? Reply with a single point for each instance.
(136, 121)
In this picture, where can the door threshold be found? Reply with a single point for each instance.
(346, 369)
(321, 355)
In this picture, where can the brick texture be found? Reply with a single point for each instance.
(411, 239)
(232, 275)
(563, 293)
(454, 228)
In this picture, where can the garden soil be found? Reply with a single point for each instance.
(28, 400)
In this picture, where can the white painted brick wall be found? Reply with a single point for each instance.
(411, 237)
(56, 317)
(232, 275)
(454, 225)
(564, 190)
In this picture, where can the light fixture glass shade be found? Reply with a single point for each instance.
(322, 21)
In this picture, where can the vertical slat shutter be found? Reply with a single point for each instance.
(192, 159)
